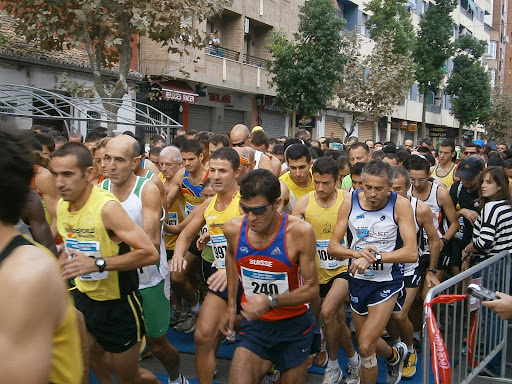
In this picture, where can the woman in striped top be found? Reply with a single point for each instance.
(492, 232)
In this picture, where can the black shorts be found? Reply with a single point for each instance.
(193, 247)
(117, 325)
(224, 294)
(170, 253)
(415, 280)
(457, 247)
(324, 288)
(206, 269)
(445, 257)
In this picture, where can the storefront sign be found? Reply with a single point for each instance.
(438, 132)
(220, 99)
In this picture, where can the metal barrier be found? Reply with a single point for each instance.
(473, 334)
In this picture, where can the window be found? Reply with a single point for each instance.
(491, 49)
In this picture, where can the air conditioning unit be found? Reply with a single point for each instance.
(246, 25)
(507, 38)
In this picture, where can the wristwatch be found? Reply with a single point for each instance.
(100, 263)
(378, 256)
(273, 301)
(433, 270)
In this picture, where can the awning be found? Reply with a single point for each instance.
(177, 91)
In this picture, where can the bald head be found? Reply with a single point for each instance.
(239, 134)
(126, 143)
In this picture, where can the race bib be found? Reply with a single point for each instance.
(460, 232)
(219, 246)
(265, 282)
(172, 218)
(144, 275)
(91, 249)
(189, 208)
(326, 261)
(203, 231)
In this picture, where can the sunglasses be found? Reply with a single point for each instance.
(259, 210)
(240, 144)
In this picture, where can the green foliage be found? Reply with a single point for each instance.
(390, 18)
(469, 83)
(499, 125)
(373, 85)
(305, 70)
(107, 29)
(433, 46)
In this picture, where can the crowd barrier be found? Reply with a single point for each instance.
(471, 334)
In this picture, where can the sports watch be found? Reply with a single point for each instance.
(100, 263)
(273, 301)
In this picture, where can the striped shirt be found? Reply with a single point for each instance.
(492, 232)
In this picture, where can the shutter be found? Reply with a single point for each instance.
(200, 118)
(365, 131)
(273, 123)
(333, 127)
(232, 118)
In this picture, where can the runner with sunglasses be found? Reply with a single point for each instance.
(274, 256)
(215, 212)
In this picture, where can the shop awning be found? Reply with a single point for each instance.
(178, 91)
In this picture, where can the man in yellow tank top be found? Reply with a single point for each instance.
(445, 169)
(104, 248)
(320, 209)
(298, 181)
(50, 351)
(224, 169)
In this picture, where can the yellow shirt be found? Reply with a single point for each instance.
(84, 230)
(215, 222)
(296, 192)
(447, 179)
(323, 221)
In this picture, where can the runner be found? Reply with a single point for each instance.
(104, 248)
(50, 351)
(320, 209)
(380, 232)
(224, 169)
(444, 171)
(273, 255)
(416, 274)
(140, 199)
(439, 201)
(188, 183)
(298, 181)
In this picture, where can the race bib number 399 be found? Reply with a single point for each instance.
(265, 282)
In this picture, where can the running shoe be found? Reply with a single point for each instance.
(189, 325)
(175, 316)
(332, 376)
(272, 378)
(183, 380)
(409, 365)
(394, 371)
(353, 372)
(321, 358)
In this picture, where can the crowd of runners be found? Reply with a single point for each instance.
(294, 249)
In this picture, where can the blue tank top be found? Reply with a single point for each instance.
(378, 229)
(268, 270)
(192, 193)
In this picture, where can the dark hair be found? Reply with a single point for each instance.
(380, 169)
(207, 183)
(155, 151)
(313, 153)
(191, 146)
(55, 133)
(61, 139)
(17, 165)
(46, 139)
(82, 154)
(427, 141)
(478, 147)
(391, 156)
(273, 140)
(96, 134)
(448, 143)
(191, 132)
(417, 163)
(139, 148)
(229, 154)
(260, 182)
(333, 153)
(389, 148)
(402, 154)
(500, 177)
(177, 141)
(359, 145)
(278, 149)
(430, 158)
(400, 171)
(259, 138)
(357, 169)
(495, 162)
(290, 141)
(492, 154)
(326, 165)
(156, 137)
(203, 137)
(41, 128)
(343, 161)
(219, 139)
(502, 143)
(131, 134)
(297, 151)
(378, 154)
(508, 164)
(423, 150)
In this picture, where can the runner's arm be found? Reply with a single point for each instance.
(175, 187)
(434, 242)
(231, 231)
(445, 202)
(285, 195)
(299, 209)
(163, 195)
(151, 214)
(45, 184)
(39, 227)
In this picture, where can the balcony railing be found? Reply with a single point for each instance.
(223, 52)
(253, 60)
(434, 108)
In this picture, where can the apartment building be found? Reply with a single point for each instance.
(218, 86)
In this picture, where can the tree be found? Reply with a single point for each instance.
(391, 18)
(107, 30)
(304, 71)
(373, 85)
(433, 47)
(499, 125)
(469, 84)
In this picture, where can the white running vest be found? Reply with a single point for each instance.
(410, 267)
